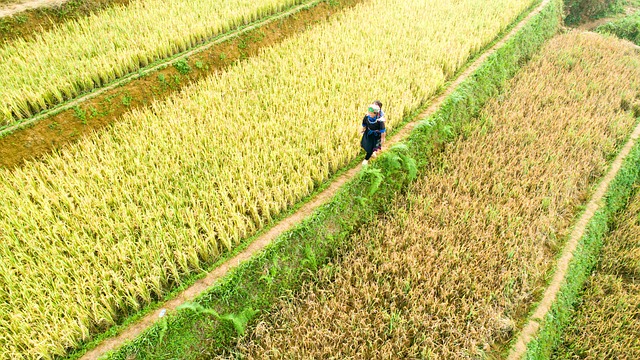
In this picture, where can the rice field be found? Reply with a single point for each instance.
(452, 269)
(606, 324)
(87, 53)
(104, 227)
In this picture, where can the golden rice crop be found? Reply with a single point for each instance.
(452, 269)
(92, 51)
(606, 325)
(114, 221)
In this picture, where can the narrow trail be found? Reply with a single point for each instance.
(12, 9)
(286, 224)
(550, 294)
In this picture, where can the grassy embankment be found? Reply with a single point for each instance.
(606, 323)
(578, 11)
(627, 28)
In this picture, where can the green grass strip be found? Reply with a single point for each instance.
(627, 28)
(585, 258)
(214, 321)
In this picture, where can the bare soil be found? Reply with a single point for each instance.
(55, 132)
(262, 241)
(9, 8)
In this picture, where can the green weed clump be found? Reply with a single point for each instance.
(578, 11)
(627, 28)
(182, 66)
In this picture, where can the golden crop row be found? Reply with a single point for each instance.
(122, 216)
(90, 52)
(455, 266)
(606, 324)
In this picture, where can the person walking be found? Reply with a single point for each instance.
(373, 132)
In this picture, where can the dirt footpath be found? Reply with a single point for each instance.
(21, 5)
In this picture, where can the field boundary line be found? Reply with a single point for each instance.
(163, 63)
(306, 210)
(531, 328)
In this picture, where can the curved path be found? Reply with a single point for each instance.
(265, 239)
(591, 25)
(20, 6)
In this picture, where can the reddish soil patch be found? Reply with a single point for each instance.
(70, 125)
(26, 22)
(10, 7)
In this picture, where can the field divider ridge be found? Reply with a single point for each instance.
(288, 223)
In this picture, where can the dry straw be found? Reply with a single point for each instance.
(455, 266)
